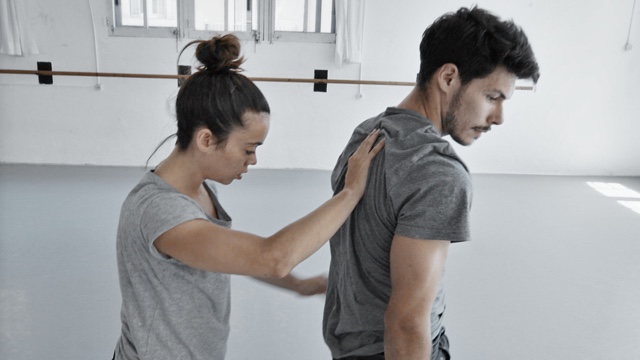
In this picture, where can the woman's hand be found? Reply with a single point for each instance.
(359, 162)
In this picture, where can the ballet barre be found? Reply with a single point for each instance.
(185, 76)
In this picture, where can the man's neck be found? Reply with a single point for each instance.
(425, 103)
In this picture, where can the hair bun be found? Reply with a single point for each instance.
(220, 54)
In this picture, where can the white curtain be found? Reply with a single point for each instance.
(15, 36)
(349, 31)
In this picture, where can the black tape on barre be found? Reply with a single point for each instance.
(45, 79)
(183, 70)
(320, 74)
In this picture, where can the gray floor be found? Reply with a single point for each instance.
(552, 271)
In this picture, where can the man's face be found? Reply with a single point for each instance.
(477, 106)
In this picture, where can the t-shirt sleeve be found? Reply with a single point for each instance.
(163, 213)
(433, 201)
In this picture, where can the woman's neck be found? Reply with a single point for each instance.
(180, 171)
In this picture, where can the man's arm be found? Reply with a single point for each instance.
(416, 270)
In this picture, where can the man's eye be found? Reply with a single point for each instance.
(250, 152)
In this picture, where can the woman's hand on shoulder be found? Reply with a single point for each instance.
(360, 161)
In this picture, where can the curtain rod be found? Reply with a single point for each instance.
(163, 76)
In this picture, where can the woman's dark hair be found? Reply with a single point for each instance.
(477, 42)
(217, 96)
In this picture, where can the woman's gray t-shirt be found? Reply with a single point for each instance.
(169, 310)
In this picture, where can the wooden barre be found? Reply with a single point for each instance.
(163, 76)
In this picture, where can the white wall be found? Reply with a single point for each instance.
(581, 120)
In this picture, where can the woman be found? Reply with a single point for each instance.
(175, 248)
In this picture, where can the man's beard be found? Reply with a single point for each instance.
(450, 121)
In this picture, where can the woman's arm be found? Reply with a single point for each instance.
(203, 245)
(306, 287)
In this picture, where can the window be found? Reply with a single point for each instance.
(159, 13)
(150, 18)
(221, 15)
(261, 20)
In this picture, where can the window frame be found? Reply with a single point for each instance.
(117, 29)
(186, 26)
(271, 35)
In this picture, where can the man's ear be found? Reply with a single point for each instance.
(448, 78)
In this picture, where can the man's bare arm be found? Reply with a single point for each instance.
(417, 266)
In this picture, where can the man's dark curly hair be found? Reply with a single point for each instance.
(477, 42)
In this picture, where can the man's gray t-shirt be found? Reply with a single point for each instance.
(417, 188)
(169, 310)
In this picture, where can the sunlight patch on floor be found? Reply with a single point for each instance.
(616, 190)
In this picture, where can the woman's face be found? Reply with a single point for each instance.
(233, 160)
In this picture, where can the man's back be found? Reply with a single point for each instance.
(417, 188)
(385, 283)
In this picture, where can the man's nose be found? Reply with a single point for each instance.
(497, 117)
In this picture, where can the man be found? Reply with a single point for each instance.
(385, 299)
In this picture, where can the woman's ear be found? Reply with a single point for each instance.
(205, 139)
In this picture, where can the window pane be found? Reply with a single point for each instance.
(254, 15)
(238, 15)
(326, 17)
(290, 15)
(212, 15)
(132, 12)
(311, 16)
(162, 13)
(304, 15)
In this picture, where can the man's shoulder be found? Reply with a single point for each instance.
(421, 153)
